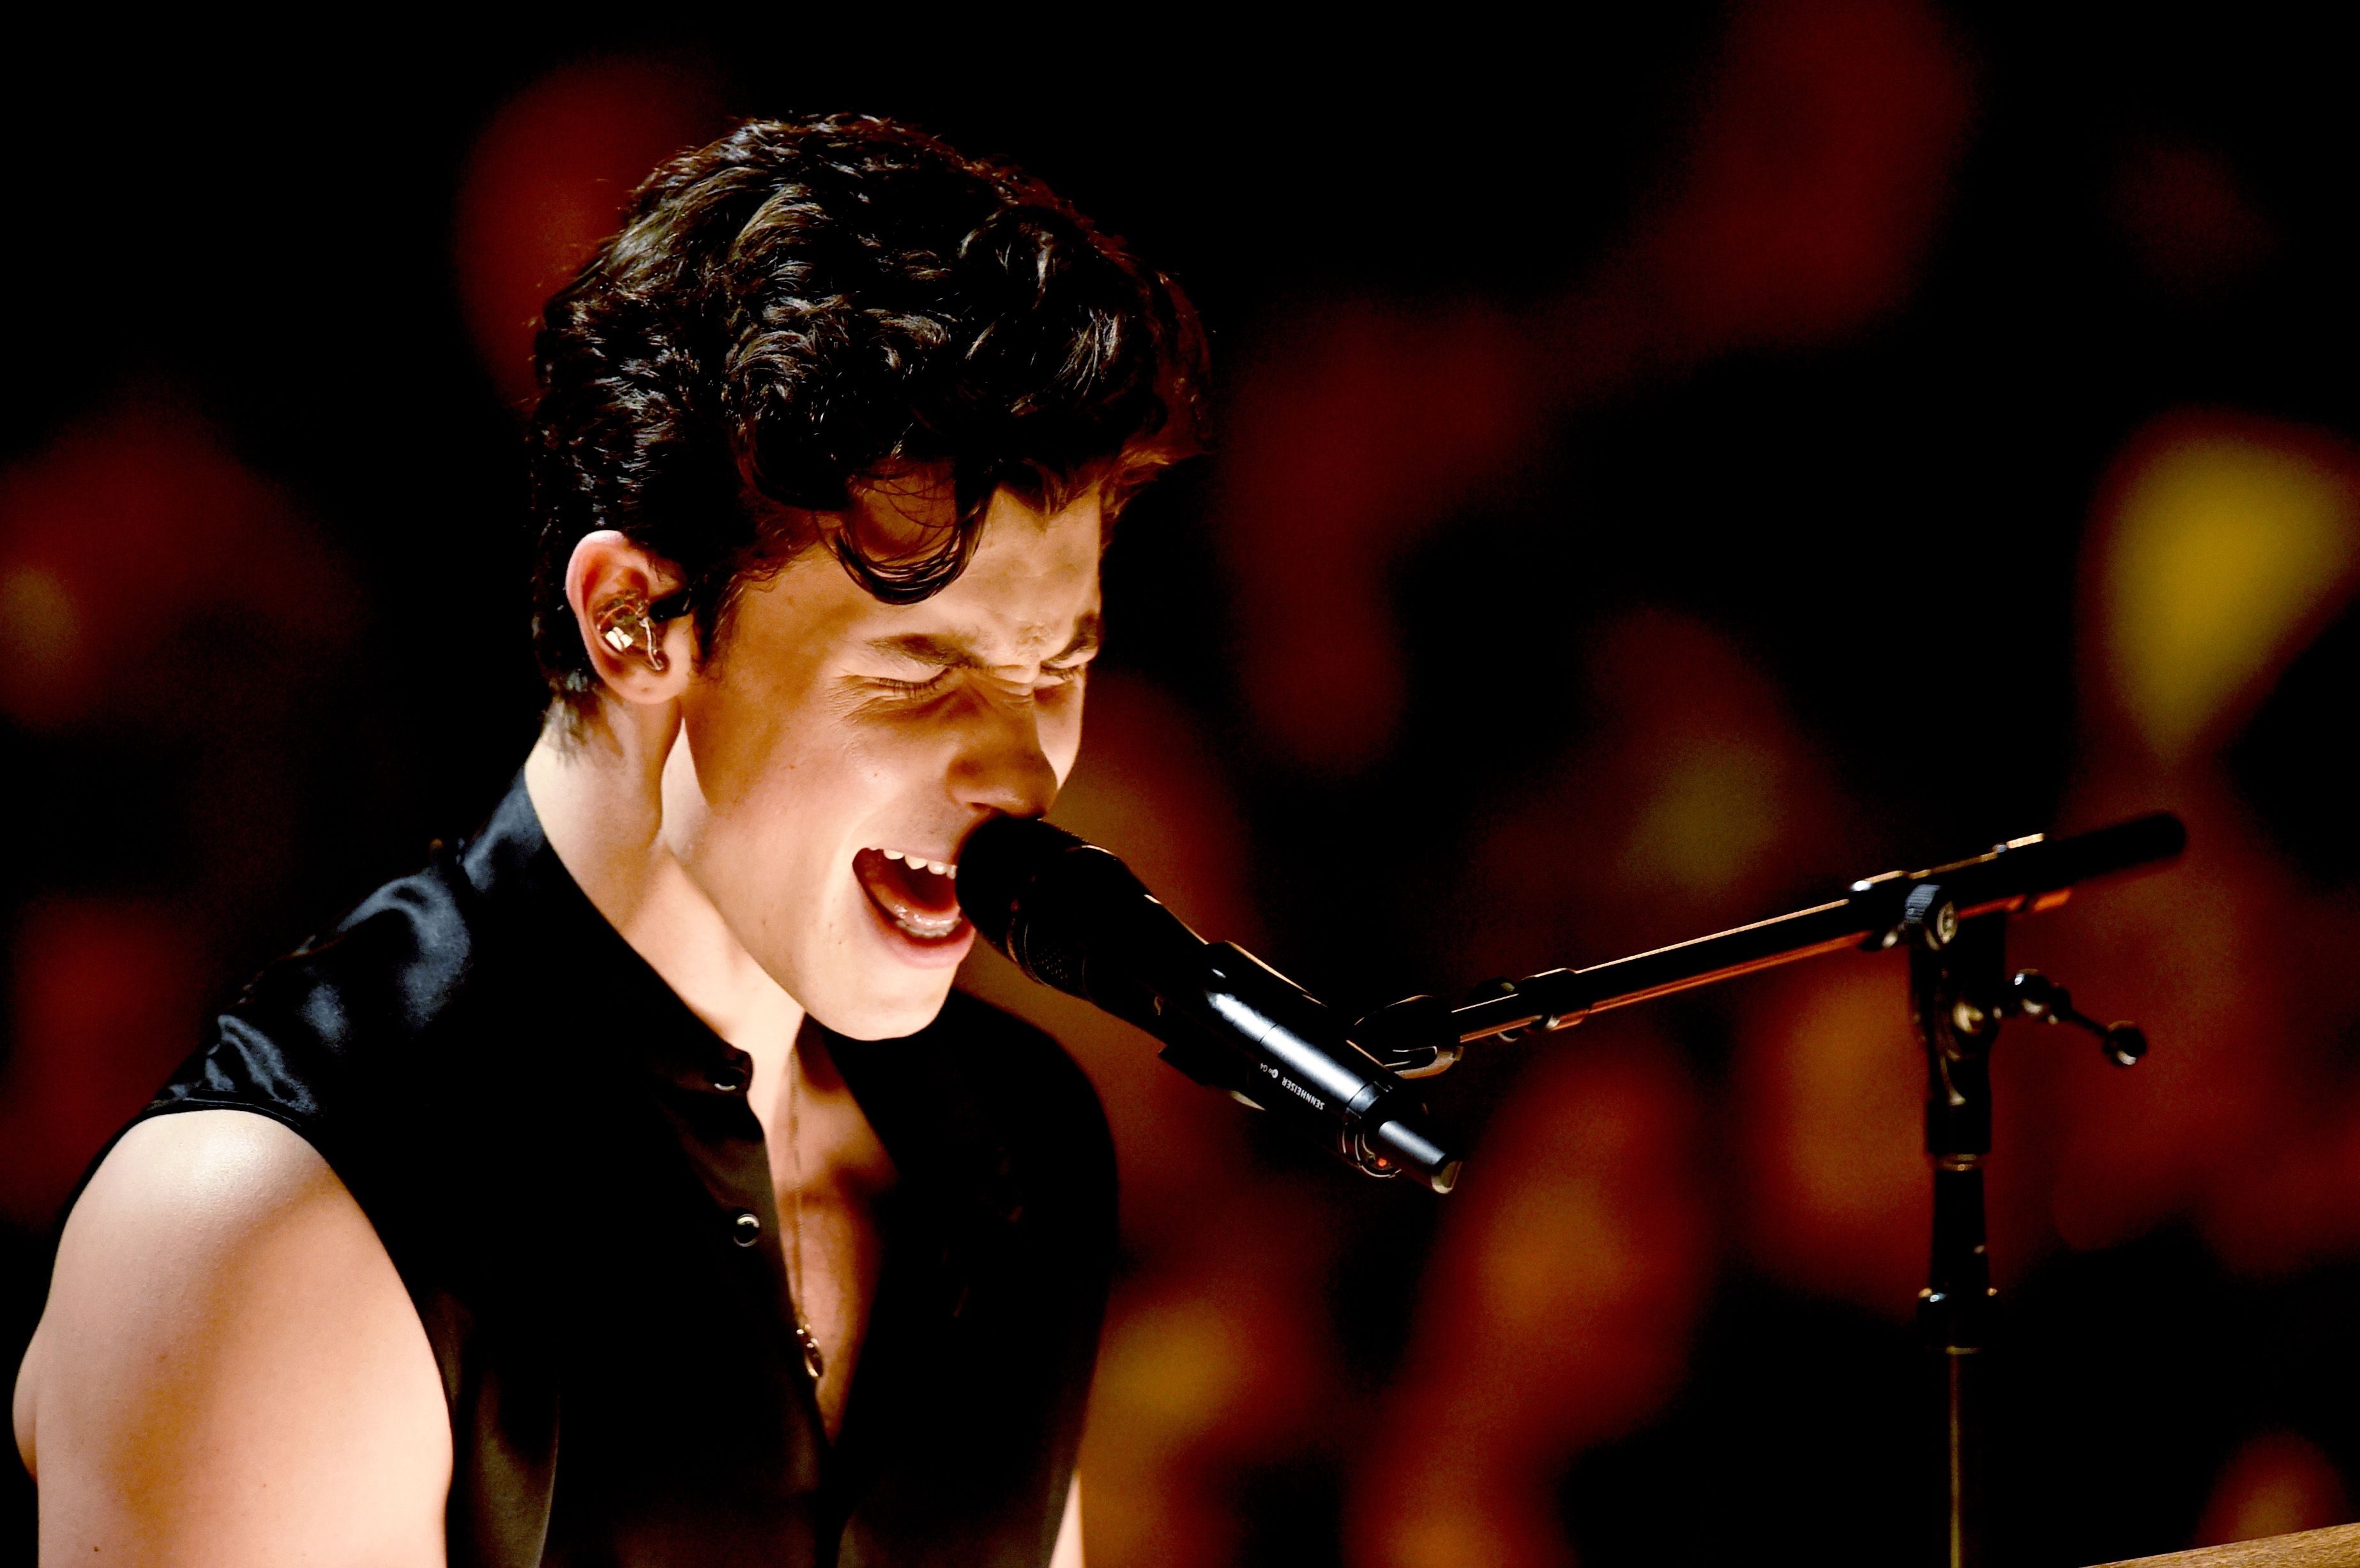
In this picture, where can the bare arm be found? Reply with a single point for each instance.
(1068, 1553)
(228, 1370)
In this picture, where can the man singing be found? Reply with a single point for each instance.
(628, 1187)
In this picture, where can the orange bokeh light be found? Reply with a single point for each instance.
(548, 181)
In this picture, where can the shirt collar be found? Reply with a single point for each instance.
(513, 866)
(933, 1125)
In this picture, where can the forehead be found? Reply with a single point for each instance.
(1030, 582)
(1031, 578)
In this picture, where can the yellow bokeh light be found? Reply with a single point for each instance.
(2227, 551)
(1714, 814)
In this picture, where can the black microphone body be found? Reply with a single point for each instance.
(1072, 916)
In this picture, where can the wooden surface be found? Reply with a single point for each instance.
(2336, 1548)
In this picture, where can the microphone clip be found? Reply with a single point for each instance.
(1417, 1037)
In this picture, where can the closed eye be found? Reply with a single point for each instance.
(1051, 675)
(934, 683)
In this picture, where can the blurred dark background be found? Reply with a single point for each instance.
(1670, 461)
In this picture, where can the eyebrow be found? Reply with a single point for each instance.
(954, 651)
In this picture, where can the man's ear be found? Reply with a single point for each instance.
(607, 573)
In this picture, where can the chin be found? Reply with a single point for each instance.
(867, 1015)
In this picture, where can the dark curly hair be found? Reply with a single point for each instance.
(807, 304)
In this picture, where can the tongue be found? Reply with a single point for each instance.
(906, 891)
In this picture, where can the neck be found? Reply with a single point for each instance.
(599, 794)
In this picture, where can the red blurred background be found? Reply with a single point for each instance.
(1662, 471)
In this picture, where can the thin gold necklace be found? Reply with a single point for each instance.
(814, 1362)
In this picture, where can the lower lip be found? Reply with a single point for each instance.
(916, 951)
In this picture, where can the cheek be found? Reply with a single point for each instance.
(741, 747)
(764, 778)
(787, 789)
(771, 753)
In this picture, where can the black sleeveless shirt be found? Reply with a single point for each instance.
(560, 1161)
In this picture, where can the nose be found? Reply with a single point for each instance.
(1000, 765)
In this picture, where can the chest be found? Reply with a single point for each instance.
(828, 1203)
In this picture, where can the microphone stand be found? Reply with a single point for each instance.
(1953, 921)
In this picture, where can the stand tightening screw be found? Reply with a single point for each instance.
(2038, 998)
(2124, 1044)
(1929, 917)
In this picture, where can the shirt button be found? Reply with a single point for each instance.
(745, 1228)
(728, 1079)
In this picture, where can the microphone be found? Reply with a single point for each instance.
(1072, 916)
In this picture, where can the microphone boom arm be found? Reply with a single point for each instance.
(1422, 1035)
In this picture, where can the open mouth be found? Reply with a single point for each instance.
(917, 896)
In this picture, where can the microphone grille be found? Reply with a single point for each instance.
(998, 862)
(1052, 962)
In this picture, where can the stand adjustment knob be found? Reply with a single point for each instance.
(2042, 999)
(1928, 915)
(2123, 1043)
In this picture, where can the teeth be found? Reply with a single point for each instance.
(920, 863)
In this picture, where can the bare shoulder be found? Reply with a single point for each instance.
(228, 1368)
